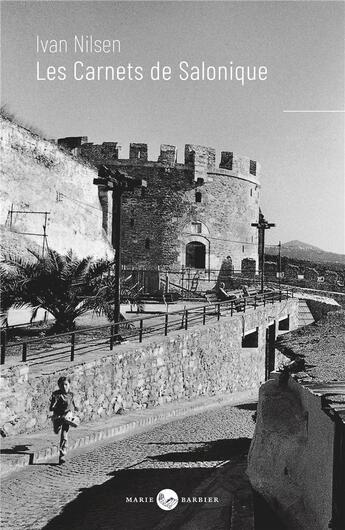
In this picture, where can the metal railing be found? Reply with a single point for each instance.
(65, 346)
(186, 281)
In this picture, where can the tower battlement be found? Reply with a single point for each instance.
(197, 158)
(194, 214)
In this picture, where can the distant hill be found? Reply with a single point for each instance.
(300, 245)
(297, 250)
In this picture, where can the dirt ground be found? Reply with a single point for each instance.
(320, 347)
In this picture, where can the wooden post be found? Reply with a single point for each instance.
(24, 352)
(72, 346)
(3, 346)
(141, 331)
(111, 337)
(116, 242)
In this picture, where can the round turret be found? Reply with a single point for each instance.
(193, 214)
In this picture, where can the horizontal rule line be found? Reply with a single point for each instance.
(313, 110)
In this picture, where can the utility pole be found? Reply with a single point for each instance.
(117, 182)
(280, 262)
(262, 225)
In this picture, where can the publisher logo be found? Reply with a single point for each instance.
(167, 499)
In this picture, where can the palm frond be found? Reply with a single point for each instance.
(64, 285)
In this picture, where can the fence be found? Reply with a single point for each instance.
(65, 346)
(189, 283)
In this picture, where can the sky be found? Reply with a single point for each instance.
(300, 43)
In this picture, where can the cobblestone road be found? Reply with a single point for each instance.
(193, 456)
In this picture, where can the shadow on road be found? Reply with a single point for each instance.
(16, 450)
(247, 406)
(107, 507)
(217, 450)
(116, 504)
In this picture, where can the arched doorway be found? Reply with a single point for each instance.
(195, 255)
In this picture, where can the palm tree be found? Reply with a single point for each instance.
(103, 300)
(64, 285)
(10, 285)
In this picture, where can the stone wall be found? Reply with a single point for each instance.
(38, 176)
(248, 266)
(205, 360)
(338, 297)
(291, 455)
(320, 309)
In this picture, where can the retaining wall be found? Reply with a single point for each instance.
(202, 361)
(291, 455)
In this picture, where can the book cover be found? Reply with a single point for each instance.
(172, 203)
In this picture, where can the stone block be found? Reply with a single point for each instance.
(167, 155)
(138, 152)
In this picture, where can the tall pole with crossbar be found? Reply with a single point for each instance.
(117, 182)
(262, 226)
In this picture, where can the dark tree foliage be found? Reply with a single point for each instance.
(64, 285)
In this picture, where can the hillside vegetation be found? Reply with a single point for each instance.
(296, 251)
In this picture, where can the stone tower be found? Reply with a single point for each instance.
(193, 214)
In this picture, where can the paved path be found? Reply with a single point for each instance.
(198, 455)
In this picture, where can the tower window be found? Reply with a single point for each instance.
(242, 248)
(196, 228)
(198, 196)
(147, 243)
(251, 192)
(252, 167)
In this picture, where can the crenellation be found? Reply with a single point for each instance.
(201, 158)
(168, 154)
(96, 153)
(138, 152)
(73, 143)
(200, 155)
(198, 159)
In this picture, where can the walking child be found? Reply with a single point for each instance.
(62, 402)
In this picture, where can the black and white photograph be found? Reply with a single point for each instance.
(172, 265)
